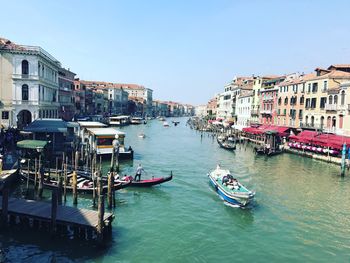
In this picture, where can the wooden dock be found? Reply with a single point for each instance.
(83, 223)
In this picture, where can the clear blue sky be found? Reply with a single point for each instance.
(184, 50)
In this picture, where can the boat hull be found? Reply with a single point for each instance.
(233, 199)
(150, 182)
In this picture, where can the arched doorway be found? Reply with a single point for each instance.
(24, 117)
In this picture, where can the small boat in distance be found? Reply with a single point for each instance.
(162, 119)
(165, 124)
(136, 120)
(229, 189)
(142, 135)
(119, 120)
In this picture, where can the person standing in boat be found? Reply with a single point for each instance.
(139, 171)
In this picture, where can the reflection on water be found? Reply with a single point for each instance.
(301, 211)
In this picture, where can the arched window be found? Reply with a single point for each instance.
(335, 99)
(312, 121)
(330, 99)
(322, 122)
(25, 92)
(342, 97)
(25, 67)
(286, 101)
(307, 120)
(279, 101)
(334, 122)
(302, 100)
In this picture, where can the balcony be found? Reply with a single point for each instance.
(267, 98)
(25, 76)
(311, 126)
(331, 107)
(255, 112)
(266, 112)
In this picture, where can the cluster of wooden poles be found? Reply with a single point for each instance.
(36, 221)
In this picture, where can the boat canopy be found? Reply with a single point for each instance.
(105, 131)
(119, 117)
(31, 144)
(47, 125)
(91, 124)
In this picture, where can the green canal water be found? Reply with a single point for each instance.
(301, 212)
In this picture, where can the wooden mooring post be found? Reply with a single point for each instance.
(54, 204)
(59, 181)
(343, 165)
(4, 210)
(74, 183)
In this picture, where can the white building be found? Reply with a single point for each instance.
(201, 111)
(243, 110)
(29, 84)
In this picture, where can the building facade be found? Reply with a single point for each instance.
(29, 84)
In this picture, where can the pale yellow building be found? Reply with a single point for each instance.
(321, 100)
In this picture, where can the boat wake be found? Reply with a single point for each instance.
(232, 205)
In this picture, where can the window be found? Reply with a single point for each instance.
(25, 67)
(330, 99)
(5, 115)
(309, 88)
(25, 92)
(300, 114)
(342, 97)
(325, 85)
(307, 103)
(286, 101)
(323, 102)
(314, 87)
(279, 101)
(313, 103)
(284, 111)
(335, 99)
(301, 100)
(303, 89)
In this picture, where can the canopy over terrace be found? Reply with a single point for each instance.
(323, 139)
(279, 130)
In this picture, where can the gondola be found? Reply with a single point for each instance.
(267, 152)
(84, 185)
(226, 145)
(149, 182)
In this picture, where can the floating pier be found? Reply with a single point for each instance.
(59, 220)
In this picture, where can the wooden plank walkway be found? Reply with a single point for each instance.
(65, 214)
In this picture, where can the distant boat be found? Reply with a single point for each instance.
(162, 119)
(229, 189)
(136, 120)
(142, 135)
(165, 124)
(176, 123)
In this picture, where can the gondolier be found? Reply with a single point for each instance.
(139, 171)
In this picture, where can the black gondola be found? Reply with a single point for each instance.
(226, 145)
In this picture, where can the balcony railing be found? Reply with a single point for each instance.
(311, 126)
(266, 111)
(25, 76)
(331, 107)
(255, 112)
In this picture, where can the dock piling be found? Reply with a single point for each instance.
(4, 211)
(74, 184)
(54, 203)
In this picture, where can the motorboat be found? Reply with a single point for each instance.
(136, 120)
(142, 135)
(229, 188)
(165, 124)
